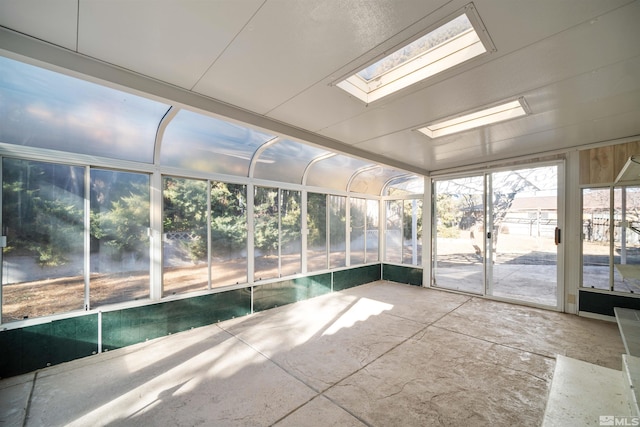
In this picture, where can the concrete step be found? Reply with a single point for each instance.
(631, 373)
(583, 394)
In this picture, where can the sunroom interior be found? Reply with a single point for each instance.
(169, 167)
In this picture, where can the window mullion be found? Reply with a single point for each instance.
(87, 237)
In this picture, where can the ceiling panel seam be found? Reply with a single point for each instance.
(538, 131)
(466, 70)
(358, 60)
(227, 46)
(77, 25)
(532, 156)
(523, 94)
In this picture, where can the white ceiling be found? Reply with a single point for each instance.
(576, 62)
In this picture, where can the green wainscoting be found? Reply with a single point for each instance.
(344, 279)
(34, 347)
(133, 325)
(38, 346)
(402, 274)
(288, 291)
(604, 303)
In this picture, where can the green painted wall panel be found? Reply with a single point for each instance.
(11, 353)
(603, 303)
(35, 347)
(402, 274)
(288, 291)
(345, 279)
(133, 325)
(73, 338)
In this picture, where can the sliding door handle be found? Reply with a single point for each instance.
(558, 238)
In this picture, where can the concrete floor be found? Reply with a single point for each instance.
(381, 354)
(533, 284)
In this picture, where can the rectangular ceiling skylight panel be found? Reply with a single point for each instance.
(429, 41)
(484, 117)
(458, 40)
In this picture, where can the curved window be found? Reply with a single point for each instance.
(334, 172)
(153, 200)
(285, 161)
(404, 185)
(44, 109)
(201, 143)
(371, 181)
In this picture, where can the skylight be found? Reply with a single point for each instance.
(487, 116)
(452, 43)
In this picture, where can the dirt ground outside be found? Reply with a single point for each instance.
(45, 297)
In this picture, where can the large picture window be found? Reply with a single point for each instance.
(317, 235)
(265, 238)
(393, 232)
(403, 239)
(611, 238)
(200, 254)
(44, 264)
(42, 218)
(228, 234)
(290, 234)
(412, 232)
(358, 218)
(373, 231)
(337, 231)
(185, 235)
(277, 237)
(119, 257)
(112, 198)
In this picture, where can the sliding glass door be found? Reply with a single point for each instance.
(523, 246)
(458, 230)
(498, 234)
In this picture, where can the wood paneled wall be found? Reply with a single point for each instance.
(603, 164)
